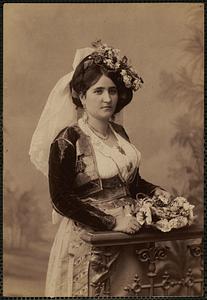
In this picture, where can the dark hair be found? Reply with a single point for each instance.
(88, 73)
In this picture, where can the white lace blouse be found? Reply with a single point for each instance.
(110, 160)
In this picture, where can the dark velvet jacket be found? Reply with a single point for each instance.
(63, 176)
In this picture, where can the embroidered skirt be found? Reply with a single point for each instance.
(69, 269)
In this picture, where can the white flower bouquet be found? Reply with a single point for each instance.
(165, 214)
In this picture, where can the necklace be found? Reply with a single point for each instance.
(98, 134)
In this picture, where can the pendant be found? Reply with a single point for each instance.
(129, 167)
(121, 150)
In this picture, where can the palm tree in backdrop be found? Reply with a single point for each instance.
(186, 89)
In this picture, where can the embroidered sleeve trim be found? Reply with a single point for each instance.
(63, 145)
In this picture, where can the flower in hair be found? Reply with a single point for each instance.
(109, 58)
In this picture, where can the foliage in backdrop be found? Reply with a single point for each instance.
(186, 88)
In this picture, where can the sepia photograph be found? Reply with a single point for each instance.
(103, 149)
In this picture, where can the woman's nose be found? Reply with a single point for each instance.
(106, 97)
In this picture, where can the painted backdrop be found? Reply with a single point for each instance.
(164, 121)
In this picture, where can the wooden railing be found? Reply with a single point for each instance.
(149, 251)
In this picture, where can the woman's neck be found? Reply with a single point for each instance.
(99, 125)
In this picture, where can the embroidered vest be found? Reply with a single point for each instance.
(87, 179)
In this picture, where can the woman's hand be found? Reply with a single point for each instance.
(127, 224)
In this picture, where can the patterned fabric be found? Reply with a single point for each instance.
(68, 264)
(71, 264)
(74, 266)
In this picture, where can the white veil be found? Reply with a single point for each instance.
(58, 113)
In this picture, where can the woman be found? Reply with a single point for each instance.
(93, 168)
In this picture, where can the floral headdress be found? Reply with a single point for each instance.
(110, 58)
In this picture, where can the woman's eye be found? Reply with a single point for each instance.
(113, 91)
(98, 92)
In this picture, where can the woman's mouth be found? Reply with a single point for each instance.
(107, 107)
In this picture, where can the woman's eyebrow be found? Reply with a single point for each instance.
(98, 87)
(103, 87)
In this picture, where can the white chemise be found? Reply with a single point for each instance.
(110, 160)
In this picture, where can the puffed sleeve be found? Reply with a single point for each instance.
(62, 163)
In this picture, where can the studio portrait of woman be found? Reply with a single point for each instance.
(93, 168)
(103, 150)
(93, 173)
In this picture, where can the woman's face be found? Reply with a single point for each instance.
(101, 98)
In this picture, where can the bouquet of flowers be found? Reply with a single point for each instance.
(165, 214)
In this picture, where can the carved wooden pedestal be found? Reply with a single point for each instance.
(151, 253)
